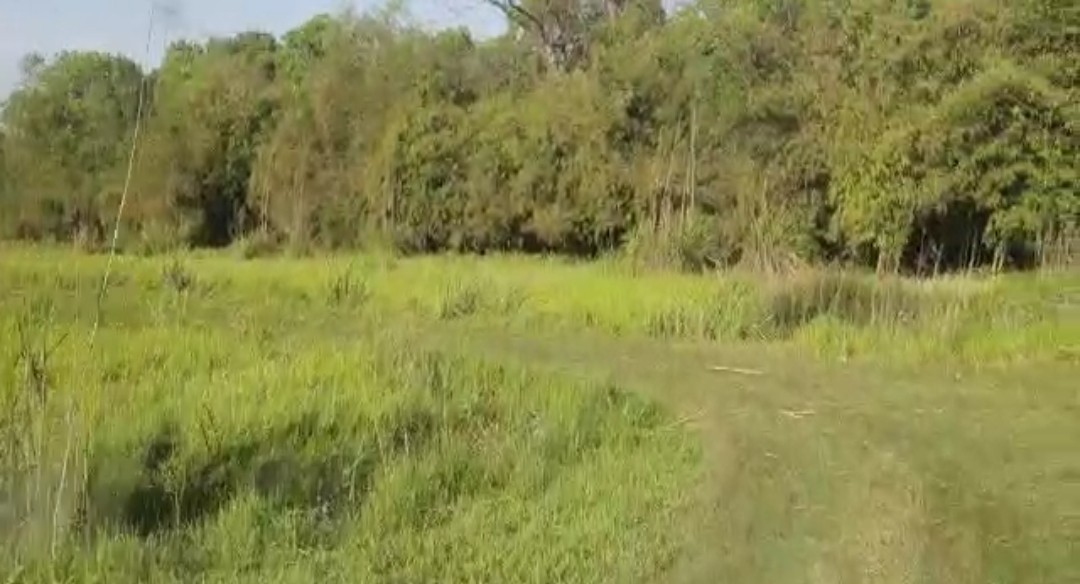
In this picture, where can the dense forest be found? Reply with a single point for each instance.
(920, 135)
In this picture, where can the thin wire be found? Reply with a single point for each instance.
(127, 182)
(69, 442)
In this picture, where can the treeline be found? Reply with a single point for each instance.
(897, 134)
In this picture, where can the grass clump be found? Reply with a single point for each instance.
(859, 300)
(348, 288)
(176, 276)
(729, 313)
(459, 299)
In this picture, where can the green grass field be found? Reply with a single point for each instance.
(504, 419)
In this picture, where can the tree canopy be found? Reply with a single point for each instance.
(916, 134)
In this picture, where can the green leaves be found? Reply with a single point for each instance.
(67, 130)
(885, 133)
(996, 148)
(214, 105)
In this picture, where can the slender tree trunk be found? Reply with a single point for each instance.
(691, 179)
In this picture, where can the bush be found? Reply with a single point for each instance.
(693, 245)
(258, 244)
(853, 298)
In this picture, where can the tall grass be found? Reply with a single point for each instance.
(968, 320)
(283, 419)
(223, 446)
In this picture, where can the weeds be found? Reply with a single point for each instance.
(849, 298)
(36, 349)
(265, 434)
(208, 443)
(31, 485)
(261, 243)
(177, 277)
(348, 289)
(458, 300)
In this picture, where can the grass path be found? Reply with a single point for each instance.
(819, 472)
(815, 471)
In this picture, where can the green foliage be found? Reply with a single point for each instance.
(219, 440)
(987, 165)
(921, 135)
(213, 105)
(67, 132)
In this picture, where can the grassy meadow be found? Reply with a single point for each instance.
(502, 419)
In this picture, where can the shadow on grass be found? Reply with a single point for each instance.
(304, 465)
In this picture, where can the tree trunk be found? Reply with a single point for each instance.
(614, 8)
(562, 43)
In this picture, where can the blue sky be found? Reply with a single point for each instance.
(48, 26)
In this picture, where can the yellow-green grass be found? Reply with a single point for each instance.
(862, 472)
(942, 448)
(218, 438)
(960, 320)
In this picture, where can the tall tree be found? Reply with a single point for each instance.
(560, 28)
(896, 134)
(214, 104)
(68, 130)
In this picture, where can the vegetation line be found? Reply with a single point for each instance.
(926, 136)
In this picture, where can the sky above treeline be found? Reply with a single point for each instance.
(121, 26)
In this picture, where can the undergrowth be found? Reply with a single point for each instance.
(275, 418)
(217, 452)
(969, 320)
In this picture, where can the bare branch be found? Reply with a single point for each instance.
(559, 37)
(516, 12)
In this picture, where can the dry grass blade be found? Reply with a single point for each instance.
(736, 370)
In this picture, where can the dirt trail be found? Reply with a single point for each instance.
(817, 472)
(740, 418)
